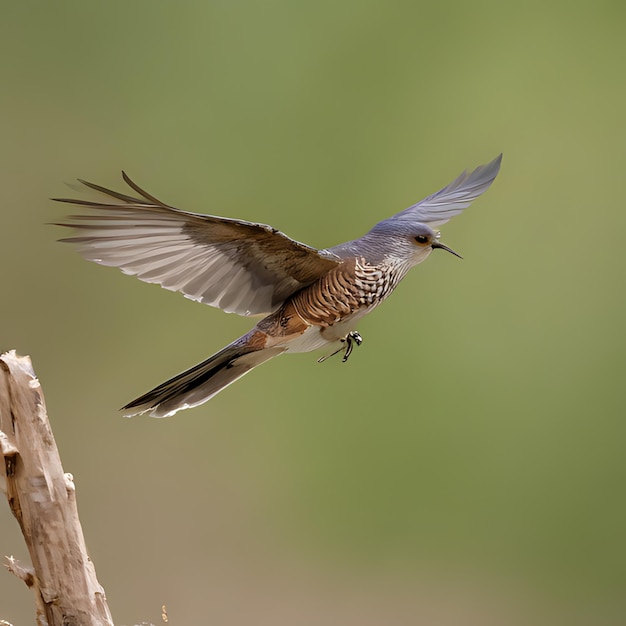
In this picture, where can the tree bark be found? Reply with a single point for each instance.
(43, 500)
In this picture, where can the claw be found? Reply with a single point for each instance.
(353, 337)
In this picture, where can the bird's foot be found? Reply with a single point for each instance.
(353, 337)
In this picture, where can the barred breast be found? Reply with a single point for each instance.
(345, 290)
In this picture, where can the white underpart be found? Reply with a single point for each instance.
(316, 337)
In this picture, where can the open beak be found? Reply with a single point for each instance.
(436, 244)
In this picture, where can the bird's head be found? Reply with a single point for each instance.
(410, 243)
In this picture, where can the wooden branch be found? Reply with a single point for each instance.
(43, 499)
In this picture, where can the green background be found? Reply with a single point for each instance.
(467, 465)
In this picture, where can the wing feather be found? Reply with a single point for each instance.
(443, 205)
(240, 267)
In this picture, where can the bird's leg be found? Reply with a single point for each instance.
(327, 356)
(353, 337)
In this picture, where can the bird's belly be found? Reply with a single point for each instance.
(311, 339)
(316, 337)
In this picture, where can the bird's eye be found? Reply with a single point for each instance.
(422, 239)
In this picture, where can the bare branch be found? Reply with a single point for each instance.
(43, 500)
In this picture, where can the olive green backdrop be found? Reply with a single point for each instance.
(467, 465)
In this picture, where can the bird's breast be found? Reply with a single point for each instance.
(346, 292)
(374, 283)
(324, 312)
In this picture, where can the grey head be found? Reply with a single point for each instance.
(410, 236)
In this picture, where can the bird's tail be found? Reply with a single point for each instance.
(201, 382)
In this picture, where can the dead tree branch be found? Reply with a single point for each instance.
(43, 499)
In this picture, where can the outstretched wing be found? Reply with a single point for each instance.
(238, 266)
(438, 208)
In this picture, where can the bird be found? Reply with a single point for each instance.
(309, 298)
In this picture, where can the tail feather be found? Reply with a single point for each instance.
(201, 382)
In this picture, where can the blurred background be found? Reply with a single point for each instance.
(466, 466)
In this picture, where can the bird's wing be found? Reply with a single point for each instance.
(439, 207)
(238, 266)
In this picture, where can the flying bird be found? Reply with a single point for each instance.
(310, 298)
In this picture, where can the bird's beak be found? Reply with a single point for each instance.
(436, 244)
